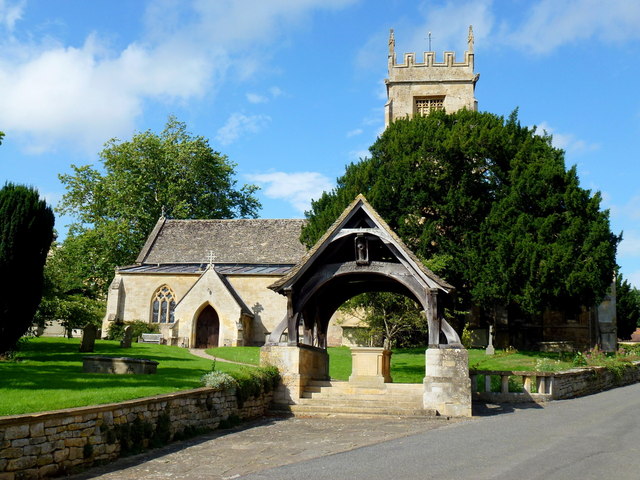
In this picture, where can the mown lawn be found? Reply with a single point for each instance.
(48, 375)
(408, 364)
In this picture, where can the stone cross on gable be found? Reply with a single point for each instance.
(211, 258)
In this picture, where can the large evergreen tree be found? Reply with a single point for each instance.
(26, 233)
(116, 209)
(627, 307)
(489, 204)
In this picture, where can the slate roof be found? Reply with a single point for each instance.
(239, 241)
(198, 268)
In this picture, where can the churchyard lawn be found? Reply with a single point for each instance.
(407, 364)
(48, 375)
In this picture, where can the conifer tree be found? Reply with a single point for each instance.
(489, 205)
(26, 233)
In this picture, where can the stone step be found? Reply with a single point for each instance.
(362, 404)
(327, 395)
(330, 410)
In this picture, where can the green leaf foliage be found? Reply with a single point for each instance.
(26, 233)
(627, 307)
(117, 206)
(490, 203)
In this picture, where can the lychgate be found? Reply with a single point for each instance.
(360, 253)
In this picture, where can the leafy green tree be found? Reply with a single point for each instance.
(66, 297)
(389, 319)
(173, 173)
(491, 203)
(26, 233)
(627, 307)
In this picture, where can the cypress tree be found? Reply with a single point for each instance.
(26, 233)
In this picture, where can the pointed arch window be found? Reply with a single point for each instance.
(163, 305)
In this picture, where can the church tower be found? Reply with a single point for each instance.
(417, 88)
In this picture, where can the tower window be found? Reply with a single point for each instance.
(425, 105)
(163, 306)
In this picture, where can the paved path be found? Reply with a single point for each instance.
(593, 437)
(200, 352)
(260, 445)
(587, 438)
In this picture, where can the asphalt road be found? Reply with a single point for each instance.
(592, 437)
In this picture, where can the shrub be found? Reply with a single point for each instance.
(138, 327)
(218, 380)
(249, 382)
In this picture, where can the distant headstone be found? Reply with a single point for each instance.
(88, 338)
(126, 341)
(490, 350)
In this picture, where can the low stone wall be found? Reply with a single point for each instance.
(572, 383)
(585, 381)
(45, 444)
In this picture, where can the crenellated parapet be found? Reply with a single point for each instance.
(420, 86)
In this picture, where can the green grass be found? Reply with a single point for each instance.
(48, 375)
(407, 364)
(250, 355)
(339, 362)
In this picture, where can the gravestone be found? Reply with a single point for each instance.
(126, 341)
(490, 350)
(88, 338)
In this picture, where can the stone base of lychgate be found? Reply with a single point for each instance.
(298, 365)
(447, 386)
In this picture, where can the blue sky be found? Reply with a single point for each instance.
(292, 90)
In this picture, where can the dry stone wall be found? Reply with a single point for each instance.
(46, 444)
(585, 381)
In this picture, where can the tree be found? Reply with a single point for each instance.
(26, 233)
(490, 203)
(173, 173)
(389, 319)
(65, 296)
(627, 307)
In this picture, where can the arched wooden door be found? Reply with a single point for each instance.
(207, 328)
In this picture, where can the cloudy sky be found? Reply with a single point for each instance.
(292, 90)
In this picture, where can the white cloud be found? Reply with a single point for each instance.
(297, 188)
(566, 141)
(53, 93)
(544, 26)
(354, 132)
(630, 245)
(357, 155)
(634, 279)
(256, 98)
(11, 12)
(238, 124)
(449, 24)
(87, 95)
(550, 24)
(274, 92)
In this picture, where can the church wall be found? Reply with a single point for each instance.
(268, 307)
(209, 290)
(132, 298)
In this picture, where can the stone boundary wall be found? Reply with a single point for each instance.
(576, 382)
(40, 445)
(585, 381)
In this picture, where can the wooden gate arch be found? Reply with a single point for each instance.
(359, 253)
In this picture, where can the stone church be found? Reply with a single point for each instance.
(204, 282)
